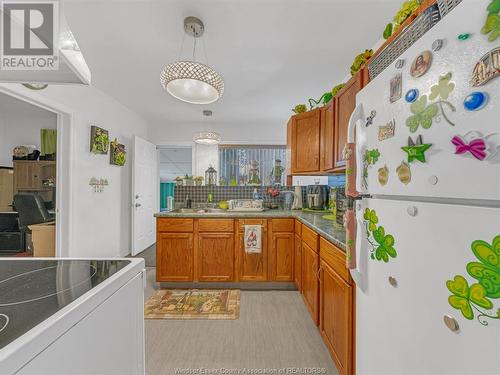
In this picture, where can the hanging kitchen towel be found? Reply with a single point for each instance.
(253, 239)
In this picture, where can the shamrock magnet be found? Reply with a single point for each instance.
(416, 150)
(422, 114)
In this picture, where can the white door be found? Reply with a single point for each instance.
(429, 261)
(145, 194)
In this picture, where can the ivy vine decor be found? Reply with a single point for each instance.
(424, 112)
(477, 298)
(370, 157)
(382, 244)
(492, 23)
(406, 10)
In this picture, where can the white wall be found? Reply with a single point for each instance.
(204, 156)
(20, 124)
(240, 132)
(175, 161)
(101, 222)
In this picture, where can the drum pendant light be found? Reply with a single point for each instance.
(191, 81)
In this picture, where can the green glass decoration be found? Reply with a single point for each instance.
(382, 244)
(476, 299)
(463, 36)
(492, 23)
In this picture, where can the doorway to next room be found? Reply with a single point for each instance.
(28, 168)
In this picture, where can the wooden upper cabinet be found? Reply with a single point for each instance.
(174, 257)
(215, 257)
(328, 136)
(29, 175)
(336, 318)
(345, 102)
(306, 138)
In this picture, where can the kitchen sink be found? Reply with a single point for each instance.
(198, 211)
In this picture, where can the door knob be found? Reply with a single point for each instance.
(137, 205)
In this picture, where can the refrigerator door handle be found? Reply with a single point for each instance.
(349, 152)
(359, 272)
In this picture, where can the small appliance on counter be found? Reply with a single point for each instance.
(289, 198)
(297, 203)
(340, 200)
(317, 197)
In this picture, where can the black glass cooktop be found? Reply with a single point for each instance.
(33, 290)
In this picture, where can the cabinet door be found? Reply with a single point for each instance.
(336, 304)
(310, 282)
(306, 141)
(27, 176)
(215, 257)
(252, 266)
(174, 257)
(345, 104)
(328, 137)
(282, 254)
(298, 262)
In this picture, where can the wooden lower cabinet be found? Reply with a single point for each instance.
(174, 257)
(310, 282)
(298, 262)
(215, 257)
(336, 318)
(252, 266)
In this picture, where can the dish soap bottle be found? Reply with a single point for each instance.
(255, 194)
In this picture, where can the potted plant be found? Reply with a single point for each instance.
(179, 181)
(188, 180)
(198, 180)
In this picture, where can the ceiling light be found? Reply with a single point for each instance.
(191, 81)
(207, 138)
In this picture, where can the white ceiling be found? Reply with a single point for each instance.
(272, 54)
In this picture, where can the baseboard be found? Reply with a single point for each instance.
(229, 285)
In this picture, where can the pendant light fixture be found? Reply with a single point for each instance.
(191, 81)
(207, 137)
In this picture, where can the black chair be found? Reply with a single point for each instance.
(31, 209)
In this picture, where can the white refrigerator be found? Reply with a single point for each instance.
(426, 252)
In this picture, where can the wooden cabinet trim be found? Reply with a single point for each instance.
(215, 225)
(282, 225)
(310, 237)
(175, 225)
(335, 258)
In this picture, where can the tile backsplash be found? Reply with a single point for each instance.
(199, 194)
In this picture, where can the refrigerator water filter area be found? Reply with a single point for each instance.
(428, 221)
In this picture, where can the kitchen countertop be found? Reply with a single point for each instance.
(328, 229)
